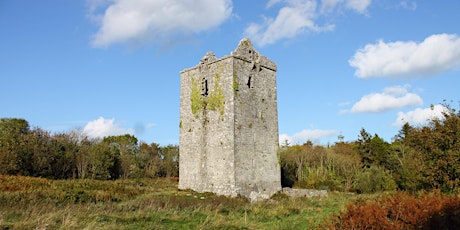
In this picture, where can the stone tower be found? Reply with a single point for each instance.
(229, 125)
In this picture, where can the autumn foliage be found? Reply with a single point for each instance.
(401, 211)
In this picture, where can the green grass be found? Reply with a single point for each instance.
(34, 203)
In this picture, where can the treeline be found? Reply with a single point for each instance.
(418, 158)
(36, 152)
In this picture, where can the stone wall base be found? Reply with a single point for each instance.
(292, 192)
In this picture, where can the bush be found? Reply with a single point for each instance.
(401, 211)
(317, 167)
(374, 179)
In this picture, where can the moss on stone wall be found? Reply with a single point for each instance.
(215, 101)
(195, 98)
(236, 86)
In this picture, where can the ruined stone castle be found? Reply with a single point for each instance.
(229, 125)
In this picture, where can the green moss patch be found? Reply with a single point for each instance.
(215, 101)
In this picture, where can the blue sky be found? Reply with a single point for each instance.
(109, 67)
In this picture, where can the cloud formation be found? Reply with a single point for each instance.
(359, 6)
(139, 21)
(296, 17)
(103, 127)
(292, 19)
(313, 135)
(391, 98)
(420, 116)
(436, 54)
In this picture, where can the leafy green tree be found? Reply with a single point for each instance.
(405, 164)
(12, 131)
(124, 149)
(148, 161)
(294, 159)
(101, 161)
(309, 166)
(82, 158)
(348, 163)
(65, 149)
(288, 167)
(438, 145)
(38, 157)
(170, 156)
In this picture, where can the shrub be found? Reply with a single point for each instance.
(373, 179)
(308, 166)
(401, 211)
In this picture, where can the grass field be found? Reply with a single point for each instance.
(35, 203)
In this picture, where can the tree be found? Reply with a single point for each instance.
(348, 163)
(438, 144)
(82, 158)
(373, 150)
(101, 161)
(124, 148)
(374, 179)
(65, 149)
(364, 148)
(405, 130)
(170, 156)
(37, 155)
(405, 164)
(148, 161)
(12, 131)
(380, 151)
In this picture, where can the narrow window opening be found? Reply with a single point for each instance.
(204, 87)
(249, 82)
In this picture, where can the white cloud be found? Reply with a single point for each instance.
(420, 116)
(138, 21)
(102, 127)
(391, 98)
(437, 53)
(296, 17)
(94, 8)
(313, 135)
(359, 6)
(273, 2)
(329, 5)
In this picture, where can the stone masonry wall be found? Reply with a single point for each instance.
(229, 125)
(256, 121)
